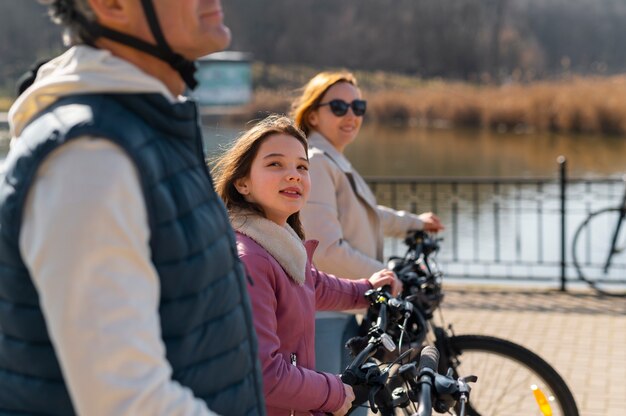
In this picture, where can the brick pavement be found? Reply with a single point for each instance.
(582, 335)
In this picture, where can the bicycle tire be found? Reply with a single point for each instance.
(589, 257)
(505, 373)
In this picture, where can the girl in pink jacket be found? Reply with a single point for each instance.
(264, 182)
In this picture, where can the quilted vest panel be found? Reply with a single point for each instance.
(204, 309)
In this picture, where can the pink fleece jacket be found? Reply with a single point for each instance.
(284, 318)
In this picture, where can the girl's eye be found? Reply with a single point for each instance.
(303, 167)
(274, 164)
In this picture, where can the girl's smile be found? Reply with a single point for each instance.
(292, 192)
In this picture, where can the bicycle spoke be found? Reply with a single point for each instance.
(505, 385)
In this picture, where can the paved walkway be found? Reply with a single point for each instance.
(582, 335)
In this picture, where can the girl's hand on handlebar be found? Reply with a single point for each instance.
(347, 403)
(386, 277)
(431, 222)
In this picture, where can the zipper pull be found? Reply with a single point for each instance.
(294, 362)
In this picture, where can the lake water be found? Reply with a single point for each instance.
(524, 241)
(385, 152)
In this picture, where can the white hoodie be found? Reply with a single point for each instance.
(84, 239)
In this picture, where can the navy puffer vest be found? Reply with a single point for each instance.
(204, 309)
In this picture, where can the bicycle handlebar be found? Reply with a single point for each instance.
(394, 319)
(389, 318)
(351, 374)
(429, 361)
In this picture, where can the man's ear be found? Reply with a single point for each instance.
(113, 13)
(241, 185)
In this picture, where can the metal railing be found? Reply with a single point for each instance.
(503, 228)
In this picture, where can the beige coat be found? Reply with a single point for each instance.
(344, 217)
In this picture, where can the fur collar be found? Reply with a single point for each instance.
(281, 242)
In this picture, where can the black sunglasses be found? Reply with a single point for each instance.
(340, 107)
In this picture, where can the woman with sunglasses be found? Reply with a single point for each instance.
(341, 211)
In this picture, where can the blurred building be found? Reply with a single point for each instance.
(224, 82)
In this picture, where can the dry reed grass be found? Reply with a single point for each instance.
(5, 103)
(574, 105)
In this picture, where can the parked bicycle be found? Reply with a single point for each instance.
(513, 379)
(595, 258)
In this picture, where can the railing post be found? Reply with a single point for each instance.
(563, 187)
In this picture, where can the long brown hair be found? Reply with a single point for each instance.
(236, 163)
(312, 94)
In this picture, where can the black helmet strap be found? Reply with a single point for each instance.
(161, 50)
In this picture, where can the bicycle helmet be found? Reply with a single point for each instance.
(66, 11)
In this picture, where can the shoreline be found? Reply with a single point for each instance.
(570, 106)
(573, 105)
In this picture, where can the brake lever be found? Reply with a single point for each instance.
(372, 398)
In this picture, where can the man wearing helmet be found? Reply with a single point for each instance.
(120, 287)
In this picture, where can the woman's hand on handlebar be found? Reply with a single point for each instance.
(431, 222)
(347, 403)
(386, 277)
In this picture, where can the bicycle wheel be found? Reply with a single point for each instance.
(598, 261)
(509, 378)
